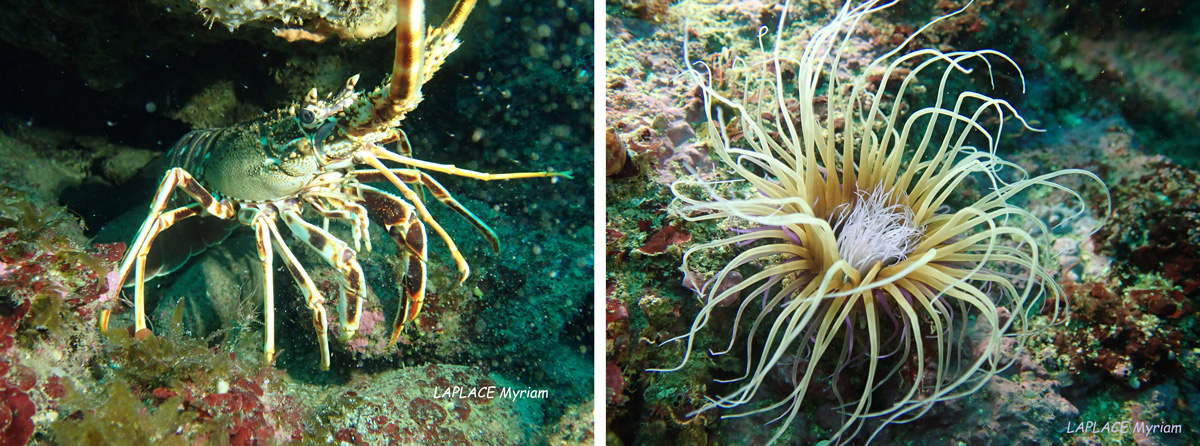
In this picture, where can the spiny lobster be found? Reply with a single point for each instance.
(305, 156)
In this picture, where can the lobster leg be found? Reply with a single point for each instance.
(166, 220)
(439, 192)
(159, 221)
(313, 296)
(406, 230)
(464, 270)
(403, 147)
(261, 222)
(355, 214)
(340, 256)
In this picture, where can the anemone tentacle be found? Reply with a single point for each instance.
(859, 264)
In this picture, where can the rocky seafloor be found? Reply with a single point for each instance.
(97, 92)
(1114, 85)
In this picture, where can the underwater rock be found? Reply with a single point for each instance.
(575, 427)
(358, 19)
(640, 102)
(220, 289)
(616, 339)
(435, 404)
(125, 164)
(52, 288)
(214, 106)
(614, 386)
(41, 171)
(1148, 74)
(1025, 411)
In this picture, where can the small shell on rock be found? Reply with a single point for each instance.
(616, 153)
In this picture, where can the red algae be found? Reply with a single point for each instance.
(666, 237)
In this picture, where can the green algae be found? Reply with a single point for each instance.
(170, 388)
(169, 358)
(116, 416)
(48, 314)
(16, 211)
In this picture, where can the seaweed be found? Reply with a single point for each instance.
(86, 259)
(179, 391)
(45, 268)
(49, 314)
(17, 212)
(167, 359)
(34, 237)
(118, 417)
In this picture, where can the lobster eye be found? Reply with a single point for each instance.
(306, 117)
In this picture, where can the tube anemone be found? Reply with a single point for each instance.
(856, 265)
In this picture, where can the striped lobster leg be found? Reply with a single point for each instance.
(408, 232)
(312, 295)
(412, 176)
(352, 284)
(157, 221)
